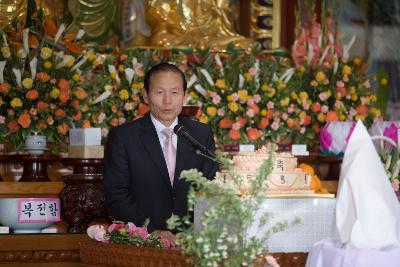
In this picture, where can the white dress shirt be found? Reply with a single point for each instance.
(160, 127)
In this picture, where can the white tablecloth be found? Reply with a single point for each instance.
(316, 214)
(328, 253)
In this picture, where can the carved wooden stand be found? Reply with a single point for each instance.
(35, 167)
(3, 158)
(82, 199)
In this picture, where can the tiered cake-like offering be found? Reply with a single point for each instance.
(285, 177)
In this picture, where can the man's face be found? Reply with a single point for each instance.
(166, 96)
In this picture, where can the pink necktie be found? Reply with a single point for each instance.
(169, 152)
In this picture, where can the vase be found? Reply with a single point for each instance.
(35, 144)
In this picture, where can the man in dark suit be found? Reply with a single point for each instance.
(142, 163)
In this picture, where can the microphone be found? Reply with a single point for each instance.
(180, 130)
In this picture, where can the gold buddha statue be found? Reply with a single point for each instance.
(192, 23)
(11, 9)
(16, 9)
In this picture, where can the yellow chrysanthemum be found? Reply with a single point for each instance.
(303, 95)
(27, 83)
(203, 118)
(54, 93)
(357, 61)
(342, 117)
(321, 117)
(220, 84)
(264, 87)
(352, 90)
(233, 106)
(90, 55)
(113, 74)
(16, 102)
(211, 111)
(193, 94)
(121, 68)
(46, 52)
(293, 95)
(302, 69)
(95, 63)
(229, 98)
(320, 76)
(302, 115)
(69, 61)
(346, 70)
(124, 94)
(263, 112)
(5, 51)
(47, 65)
(137, 86)
(282, 85)
(243, 95)
(383, 81)
(354, 97)
(285, 102)
(76, 77)
(373, 98)
(271, 92)
(248, 76)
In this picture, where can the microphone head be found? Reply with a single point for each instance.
(179, 129)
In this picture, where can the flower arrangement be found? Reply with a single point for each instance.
(129, 234)
(325, 85)
(42, 70)
(252, 98)
(50, 82)
(231, 88)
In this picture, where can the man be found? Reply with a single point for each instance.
(143, 159)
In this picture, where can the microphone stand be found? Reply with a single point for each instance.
(212, 157)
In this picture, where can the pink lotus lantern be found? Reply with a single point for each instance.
(387, 129)
(335, 135)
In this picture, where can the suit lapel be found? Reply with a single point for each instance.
(152, 144)
(182, 153)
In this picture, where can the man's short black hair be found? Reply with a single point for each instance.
(163, 67)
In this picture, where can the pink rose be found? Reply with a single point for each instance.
(250, 113)
(270, 105)
(97, 232)
(284, 116)
(221, 112)
(166, 242)
(216, 99)
(235, 97)
(115, 227)
(250, 102)
(256, 98)
(324, 109)
(140, 231)
(275, 126)
(236, 126)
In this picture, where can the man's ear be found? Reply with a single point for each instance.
(145, 96)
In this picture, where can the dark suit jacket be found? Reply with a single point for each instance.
(136, 181)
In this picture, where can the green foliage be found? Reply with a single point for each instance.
(223, 239)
